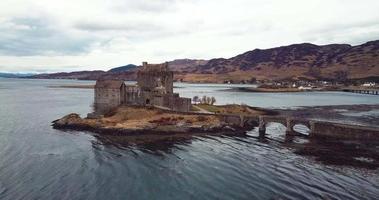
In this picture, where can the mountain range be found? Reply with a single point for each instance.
(294, 62)
(15, 75)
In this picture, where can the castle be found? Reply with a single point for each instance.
(154, 88)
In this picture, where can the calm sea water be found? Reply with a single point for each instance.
(38, 162)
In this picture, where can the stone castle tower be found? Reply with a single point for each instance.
(155, 77)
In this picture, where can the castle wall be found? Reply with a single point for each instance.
(158, 101)
(132, 95)
(106, 99)
(147, 98)
(148, 80)
(154, 87)
(176, 103)
(182, 104)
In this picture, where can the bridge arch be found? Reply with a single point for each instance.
(264, 121)
(276, 128)
(289, 123)
(302, 129)
(298, 126)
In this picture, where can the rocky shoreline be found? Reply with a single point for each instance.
(156, 131)
(156, 122)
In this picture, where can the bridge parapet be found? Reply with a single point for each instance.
(239, 120)
(277, 119)
(343, 131)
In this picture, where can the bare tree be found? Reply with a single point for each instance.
(204, 100)
(208, 100)
(213, 100)
(195, 99)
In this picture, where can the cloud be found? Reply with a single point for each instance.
(37, 36)
(351, 32)
(96, 34)
(111, 26)
(156, 6)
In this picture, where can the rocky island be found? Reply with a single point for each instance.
(151, 106)
(131, 120)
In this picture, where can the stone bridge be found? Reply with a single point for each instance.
(372, 91)
(317, 128)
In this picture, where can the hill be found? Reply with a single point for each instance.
(298, 61)
(80, 75)
(14, 75)
(185, 65)
(126, 72)
(123, 68)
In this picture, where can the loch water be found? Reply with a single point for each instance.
(38, 162)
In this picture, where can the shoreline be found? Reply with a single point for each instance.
(73, 86)
(279, 90)
(341, 122)
(134, 120)
(157, 132)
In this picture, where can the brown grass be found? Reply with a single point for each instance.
(231, 109)
(138, 118)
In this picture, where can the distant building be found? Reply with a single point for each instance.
(154, 88)
(305, 88)
(369, 84)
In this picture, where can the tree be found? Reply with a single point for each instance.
(195, 99)
(208, 100)
(204, 100)
(213, 100)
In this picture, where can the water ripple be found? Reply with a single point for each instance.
(37, 162)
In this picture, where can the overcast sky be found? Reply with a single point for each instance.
(67, 35)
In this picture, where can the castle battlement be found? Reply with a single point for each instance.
(154, 67)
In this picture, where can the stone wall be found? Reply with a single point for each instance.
(106, 99)
(176, 103)
(150, 80)
(132, 95)
(152, 76)
(343, 131)
(181, 104)
(158, 101)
